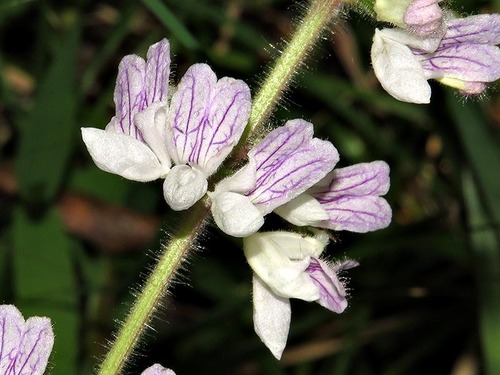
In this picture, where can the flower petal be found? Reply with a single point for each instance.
(398, 70)
(157, 369)
(480, 29)
(466, 62)
(151, 122)
(208, 117)
(188, 109)
(183, 187)
(122, 155)
(357, 214)
(424, 17)
(235, 214)
(271, 317)
(289, 161)
(241, 181)
(332, 291)
(130, 94)
(269, 256)
(24, 346)
(358, 179)
(157, 72)
(225, 121)
(302, 210)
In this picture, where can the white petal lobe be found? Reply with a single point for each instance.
(123, 155)
(398, 71)
(303, 210)
(235, 214)
(271, 317)
(183, 187)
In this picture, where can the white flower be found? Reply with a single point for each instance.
(287, 265)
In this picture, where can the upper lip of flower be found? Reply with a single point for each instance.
(199, 126)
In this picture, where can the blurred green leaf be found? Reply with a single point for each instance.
(45, 284)
(121, 30)
(481, 187)
(484, 239)
(48, 131)
(171, 22)
(96, 183)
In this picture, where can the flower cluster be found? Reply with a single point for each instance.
(196, 127)
(183, 135)
(25, 346)
(431, 43)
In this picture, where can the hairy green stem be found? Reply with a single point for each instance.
(154, 289)
(173, 253)
(320, 13)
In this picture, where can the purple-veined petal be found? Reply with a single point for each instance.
(183, 187)
(289, 161)
(157, 369)
(467, 62)
(157, 72)
(331, 290)
(398, 70)
(271, 317)
(130, 94)
(123, 155)
(358, 179)
(357, 214)
(188, 109)
(424, 17)
(350, 196)
(24, 346)
(208, 117)
(235, 214)
(478, 29)
(226, 119)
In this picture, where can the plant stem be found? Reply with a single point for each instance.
(154, 289)
(320, 13)
(317, 18)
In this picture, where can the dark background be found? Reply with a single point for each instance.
(74, 241)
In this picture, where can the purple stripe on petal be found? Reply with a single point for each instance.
(467, 62)
(357, 214)
(25, 346)
(188, 111)
(350, 196)
(478, 29)
(130, 94)
(157, 72)
(289, 161)
(332, 291)
(226, 119)
(359, 179)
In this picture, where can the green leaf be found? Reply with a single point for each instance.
(484, 240)
(48, 131)
(45, 283)
(481, 187)
(171, 22)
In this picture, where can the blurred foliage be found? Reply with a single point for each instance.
(75, 240)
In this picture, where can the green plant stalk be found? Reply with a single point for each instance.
(176, 250)
(154, 289)
(320, 13)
